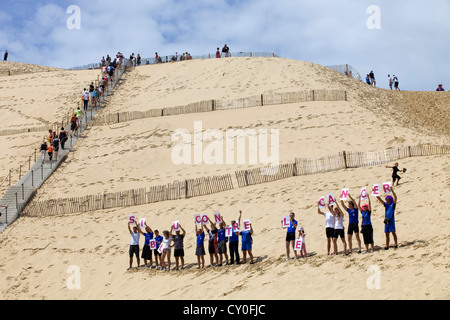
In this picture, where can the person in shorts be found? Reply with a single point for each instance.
(146, 251)
(166, 250)
(339, 230)
(395, 171)
(352, 223)
(290, 236)
(247, 243)
(329, 227)
(389, 218)
(179, 247)
(222, 243)
(200, 248)
(212, 244)
(366, 226)
(158, 239)
(134, 244)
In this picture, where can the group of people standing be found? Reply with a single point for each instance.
(335, 229)
(217, 248)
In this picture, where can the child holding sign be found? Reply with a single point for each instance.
(301, 235)
(290, 236)
(146, 251)
(158, 240)
(352, 223)
(366, 228)
(212, 244)
(389, 220)
(338, 227)
(166, 251)
(246, 243)
(234, 242)
(179, 247)
(200, 249)
(222, 243)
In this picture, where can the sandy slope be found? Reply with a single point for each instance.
(36, 253)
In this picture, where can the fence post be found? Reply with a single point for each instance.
(118, 117)
(313, 98)
(345, 159)
(246, 177)
(409, 151)
(186, 184)
(262, 99)
(9, 177)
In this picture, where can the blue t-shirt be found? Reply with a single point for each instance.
(246, 236)
(353, 215)
(291, 228)
(200, 239)
(234, 237)
(389, 211)
(159, 240)
(221, 234)
(366, 218)
(148, 237)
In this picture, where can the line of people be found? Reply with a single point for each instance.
(217, 247)
(335, 229)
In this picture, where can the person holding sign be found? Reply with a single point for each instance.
(301, 235)
(246, 243)
(366, 227)
(329, 227)
(389, 219)
(352, 223)
(134, 244)
(222, 243)
(233, 245)
(146, 251)
(395, 176)
(290, 236)
(212, 244)
(158, 239)
(338, 228)
(166, 251)
(179, 247)
(200, 249)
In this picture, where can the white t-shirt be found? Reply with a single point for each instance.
(134, 239)
(329, 218)
(86, 95)
(166, 243)
(339, 223)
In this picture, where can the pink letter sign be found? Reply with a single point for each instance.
(387, 187)
(376, 190)
(142, 223)
(152, 244)
(198, 219)
(228, 231)
(298, 244)
(131, 219)
(160, 248)
(236, 227)
(246, 224)
(217, 217)
(176, 226)
(331, 200)
(322, 204)
(205, 218)
(363, 193)
(344, 193)
(286, 221)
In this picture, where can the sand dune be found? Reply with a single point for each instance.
(35, 261)
(38, 252)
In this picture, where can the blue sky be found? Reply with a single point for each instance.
(412, 41)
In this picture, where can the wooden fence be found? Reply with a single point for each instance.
(213, 105)
(209, 185)
(135, 197)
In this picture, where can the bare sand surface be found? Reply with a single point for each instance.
(37, 253)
